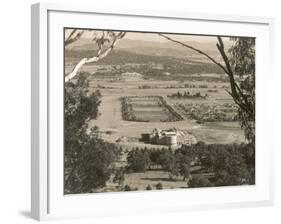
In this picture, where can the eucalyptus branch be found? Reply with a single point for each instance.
(195, 49)
(73, 36)
(99, 55)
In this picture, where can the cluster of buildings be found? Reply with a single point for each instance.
(171, 137)
(161, 137)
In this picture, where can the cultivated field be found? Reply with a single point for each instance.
(148, 109)
(113, 127)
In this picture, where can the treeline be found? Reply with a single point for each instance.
(173, 115)
(141, 160)
(128, 112)
(184, 86)
(187, 95)
(216, 164)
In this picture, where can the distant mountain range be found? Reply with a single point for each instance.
(152, 48)
(173, 57)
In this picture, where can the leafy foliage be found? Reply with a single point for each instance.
(175, 163)
(199, 181)
(230, 164)
(183, 163)
(168, 162)
(88, 159)
(138, 160)
(217, 164)
(242, 59)
(80, 105)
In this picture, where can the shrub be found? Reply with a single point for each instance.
(159, 186)
(149, 187)
(127, 188)
(199, 181)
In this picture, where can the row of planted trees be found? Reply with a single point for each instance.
(187, 95)
(173, 115)
(128, 113)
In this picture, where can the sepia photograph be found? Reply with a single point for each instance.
(157, 111)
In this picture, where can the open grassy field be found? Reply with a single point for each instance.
(148, 109)
(112, 126)
(152, 178)
(140, 180)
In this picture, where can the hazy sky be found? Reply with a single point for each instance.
(157, 38)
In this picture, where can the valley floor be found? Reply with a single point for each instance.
(113, 127)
